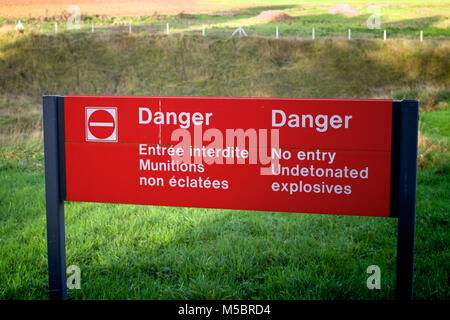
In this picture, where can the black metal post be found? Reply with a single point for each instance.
(409, 125)
(53, 112)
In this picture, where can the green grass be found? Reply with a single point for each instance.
(436, 125)
(145, 252)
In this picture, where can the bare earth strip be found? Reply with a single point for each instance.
(46, 8)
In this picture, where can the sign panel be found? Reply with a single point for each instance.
(268, 154)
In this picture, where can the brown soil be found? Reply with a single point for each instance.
(273, 15)
(344, 8)
(48, 8)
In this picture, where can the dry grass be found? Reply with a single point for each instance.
(433, 154)
(34, 64)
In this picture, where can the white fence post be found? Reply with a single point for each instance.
(349, 34)
(239, 31)
(203, 30)
(421, 36)
(276, 33)
(167, 28)
(56, 27)
(313, 34)
(92, 27)
(129, 28)
(384, 35)
(19, 26)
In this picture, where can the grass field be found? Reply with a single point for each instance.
(146, 252)
(137, 252)
(401, 19)
(143, 252)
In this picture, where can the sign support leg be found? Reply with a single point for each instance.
(409, 116)
(53, 109)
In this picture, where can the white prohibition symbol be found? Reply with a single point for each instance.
(101, 124)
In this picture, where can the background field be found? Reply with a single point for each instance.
(145, 252)
(401, 19)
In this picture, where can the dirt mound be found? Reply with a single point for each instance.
(183, 15)
(273, 15)
(344, 8)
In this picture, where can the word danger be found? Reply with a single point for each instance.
(183, 119)
(320, 122)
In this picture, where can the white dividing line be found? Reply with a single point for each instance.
(101, 124)
(160, 126)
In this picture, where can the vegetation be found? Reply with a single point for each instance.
(145, 252)
(401, 19)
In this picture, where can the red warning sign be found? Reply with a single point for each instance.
(101, 124)
(269, 154)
